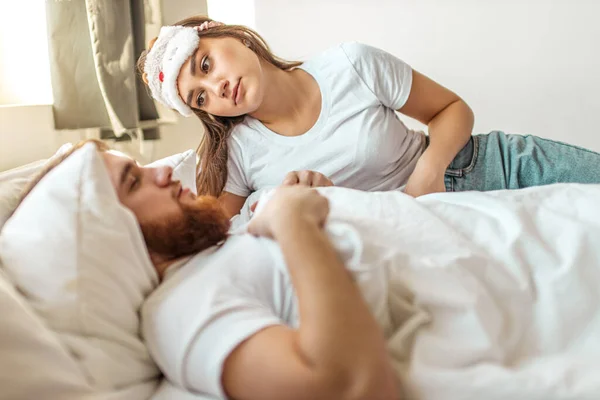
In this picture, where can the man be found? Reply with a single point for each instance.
(457, 296)
(338, 351)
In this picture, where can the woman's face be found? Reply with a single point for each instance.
(223, 77)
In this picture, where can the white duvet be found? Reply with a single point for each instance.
(481, 295)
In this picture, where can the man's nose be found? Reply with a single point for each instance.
(163, 176)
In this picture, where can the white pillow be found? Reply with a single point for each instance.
(79, 258)
(184, 168)
(34, 364)
(13, 182)
(10, 193)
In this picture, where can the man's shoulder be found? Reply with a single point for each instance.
(205, 275)
(202, 296)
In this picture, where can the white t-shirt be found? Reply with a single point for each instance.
(358, 140)
(204, 309)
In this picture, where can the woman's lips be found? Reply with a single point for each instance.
(237, 94)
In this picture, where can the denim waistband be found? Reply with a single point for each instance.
(464, 158)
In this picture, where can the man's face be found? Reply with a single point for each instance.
(174, 221)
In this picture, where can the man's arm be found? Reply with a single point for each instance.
(339, 351)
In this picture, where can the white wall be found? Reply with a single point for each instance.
(27, 135)
(524, 66)
(238, 12)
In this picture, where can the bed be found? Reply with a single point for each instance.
(546, 258)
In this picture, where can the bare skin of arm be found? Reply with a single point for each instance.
(231, 203)
(450, 122)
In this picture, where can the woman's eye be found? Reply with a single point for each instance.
(205, 64)
(201, 99)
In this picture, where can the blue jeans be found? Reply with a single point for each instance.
(496, 161)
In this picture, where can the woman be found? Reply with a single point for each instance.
(333, 120)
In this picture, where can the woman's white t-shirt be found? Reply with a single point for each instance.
(358, 140)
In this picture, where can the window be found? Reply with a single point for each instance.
(24, 64)
(233, 11)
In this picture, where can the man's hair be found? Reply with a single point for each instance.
(56, 161)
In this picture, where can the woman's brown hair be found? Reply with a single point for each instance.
(212, 151)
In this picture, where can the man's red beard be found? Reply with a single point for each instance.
(200, 225)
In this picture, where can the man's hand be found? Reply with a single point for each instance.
(426, 178)
(306, 178)
(290, 205)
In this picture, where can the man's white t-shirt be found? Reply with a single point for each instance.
(205, 308)
(358, 140)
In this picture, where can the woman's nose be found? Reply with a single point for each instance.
(163, 176)
(220, 87)
(224, 87)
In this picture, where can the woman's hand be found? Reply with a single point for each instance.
(288, 206)
(426, 178)
(306, 178)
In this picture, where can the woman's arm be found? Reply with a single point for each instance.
(339, 351)
(231, 203)
(450, 122)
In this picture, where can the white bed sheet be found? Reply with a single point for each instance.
(509, 280)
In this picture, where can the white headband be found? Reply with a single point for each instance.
(175, 44)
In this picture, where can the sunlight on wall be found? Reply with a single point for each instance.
(238, 12)
(24, 64)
